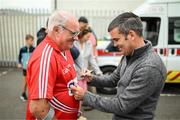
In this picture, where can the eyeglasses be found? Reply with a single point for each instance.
(74, 34)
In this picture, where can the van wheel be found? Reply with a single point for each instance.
(108, 70)
(107, 90)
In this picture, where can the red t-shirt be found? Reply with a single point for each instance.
(49, 76)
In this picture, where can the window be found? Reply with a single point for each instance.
(151, 28)
(174, 30)
(111, 48)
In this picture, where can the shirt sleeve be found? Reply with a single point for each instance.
(92, 39)
(20, 56)
(79, 66)
(144, 83)
(93, 62)
(42, 76)
(107, 80)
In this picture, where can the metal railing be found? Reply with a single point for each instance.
(16, 23)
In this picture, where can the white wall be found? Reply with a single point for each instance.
(126, 5)
(1, 2)
(46, 4)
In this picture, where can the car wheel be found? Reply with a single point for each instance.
(107, 90)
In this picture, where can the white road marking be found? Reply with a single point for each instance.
(5, 72)
(169, 95)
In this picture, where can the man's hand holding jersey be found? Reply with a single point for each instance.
(78, 92)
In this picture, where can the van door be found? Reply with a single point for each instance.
(173, 60)
(152, 31)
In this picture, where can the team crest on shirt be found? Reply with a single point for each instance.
(71, 83)
(67, 69)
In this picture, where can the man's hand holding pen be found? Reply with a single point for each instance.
(87, 74)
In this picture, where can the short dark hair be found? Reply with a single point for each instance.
(125, 22)
(84, 32)
(41, 34)
(28, 36)
(83, 19)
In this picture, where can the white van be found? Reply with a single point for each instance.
(161, 22)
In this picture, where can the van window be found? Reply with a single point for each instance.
(151, 28)
(174, 30)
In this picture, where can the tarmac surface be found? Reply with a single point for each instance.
(12, 108)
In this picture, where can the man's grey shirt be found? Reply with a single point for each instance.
(139, 80)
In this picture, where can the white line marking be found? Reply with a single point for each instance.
(169, 95)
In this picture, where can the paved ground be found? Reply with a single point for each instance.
(11, 107)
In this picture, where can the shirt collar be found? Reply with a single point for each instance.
(141, 51)
(52, 43)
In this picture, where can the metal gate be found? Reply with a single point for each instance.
(14, 25)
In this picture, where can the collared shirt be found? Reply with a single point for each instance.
(87, 56)
(50, 74)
